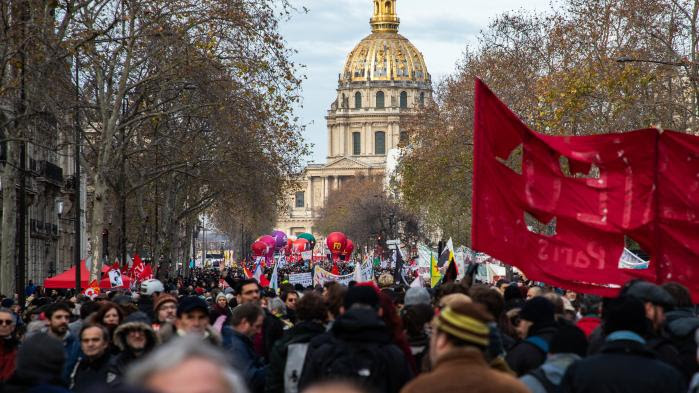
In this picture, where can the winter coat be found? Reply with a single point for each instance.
(680, 325)
(622, 366)
(525, 355)
(303, 332)
(553, 369)
(8, 355)
(357, 328)
(19, 385)
(90, 373)
(272, 330)
(71, 345)
(120, 362)
(464, 370)
(588, 324)
(246, 361)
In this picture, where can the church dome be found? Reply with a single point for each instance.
(385, 55)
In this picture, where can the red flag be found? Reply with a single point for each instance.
(246, 271)
(92, 290)
(146, 273)
(137, 267)
(631, 184)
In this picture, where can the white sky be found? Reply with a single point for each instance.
(324, 36)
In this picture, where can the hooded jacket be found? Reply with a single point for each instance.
(680, 325)
(119, 363)
(358, 328)
(168, 331)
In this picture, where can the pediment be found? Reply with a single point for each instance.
(347, 163)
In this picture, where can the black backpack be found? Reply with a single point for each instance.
(366, 363)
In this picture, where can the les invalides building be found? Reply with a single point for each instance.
(384, 78)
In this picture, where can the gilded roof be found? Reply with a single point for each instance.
(385, 56)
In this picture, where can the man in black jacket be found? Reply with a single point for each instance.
(311, 313)
(536, 328)
(624, 363)
(91, 369)
(358, 347)
(248, 291)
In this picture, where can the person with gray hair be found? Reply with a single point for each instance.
(186, 365)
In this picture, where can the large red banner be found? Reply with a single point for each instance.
(593, 191)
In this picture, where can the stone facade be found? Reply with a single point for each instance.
(384, 79)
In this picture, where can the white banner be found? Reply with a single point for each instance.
(305, 279)
(321, 276)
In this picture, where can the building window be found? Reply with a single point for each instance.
(403, 99)
(403, 137)
(356, 143)
(357, 100)
(422, 98)
(299, 199)
(380, 142)
(379, 99)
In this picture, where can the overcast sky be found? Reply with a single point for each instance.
(323, 37)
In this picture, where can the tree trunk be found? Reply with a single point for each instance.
(97, 225)
(8, 252)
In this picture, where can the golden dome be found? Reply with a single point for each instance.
(385, 55)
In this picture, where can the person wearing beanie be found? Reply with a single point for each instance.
(624, 364)
(536, 328)
(417, 296)
(459, 339)
(164, 310)
(568, 345)
(220, 310)
(359, 347)
(40, 362)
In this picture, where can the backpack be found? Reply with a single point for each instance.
(365, 363)
(295, 357)
(540, 376)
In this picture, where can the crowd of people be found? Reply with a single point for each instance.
(192, 335)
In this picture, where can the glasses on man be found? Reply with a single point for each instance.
(6, 322)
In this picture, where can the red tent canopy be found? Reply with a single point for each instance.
(67, 279)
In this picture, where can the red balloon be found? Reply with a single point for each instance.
(269, 240)
(259, 248)
(349, 247)
(289, 244)
(336, 243)
(300, 245)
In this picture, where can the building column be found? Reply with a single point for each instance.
(337, 183)
(326, 184)
(310, 193)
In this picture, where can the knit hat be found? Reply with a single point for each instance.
(569, 339)
(463, 326)
(8, 302)
(191, 303)
(538, 310)
(417, 296)
(162, 299)
(40, 358)
(360, 294)
(221, 295)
